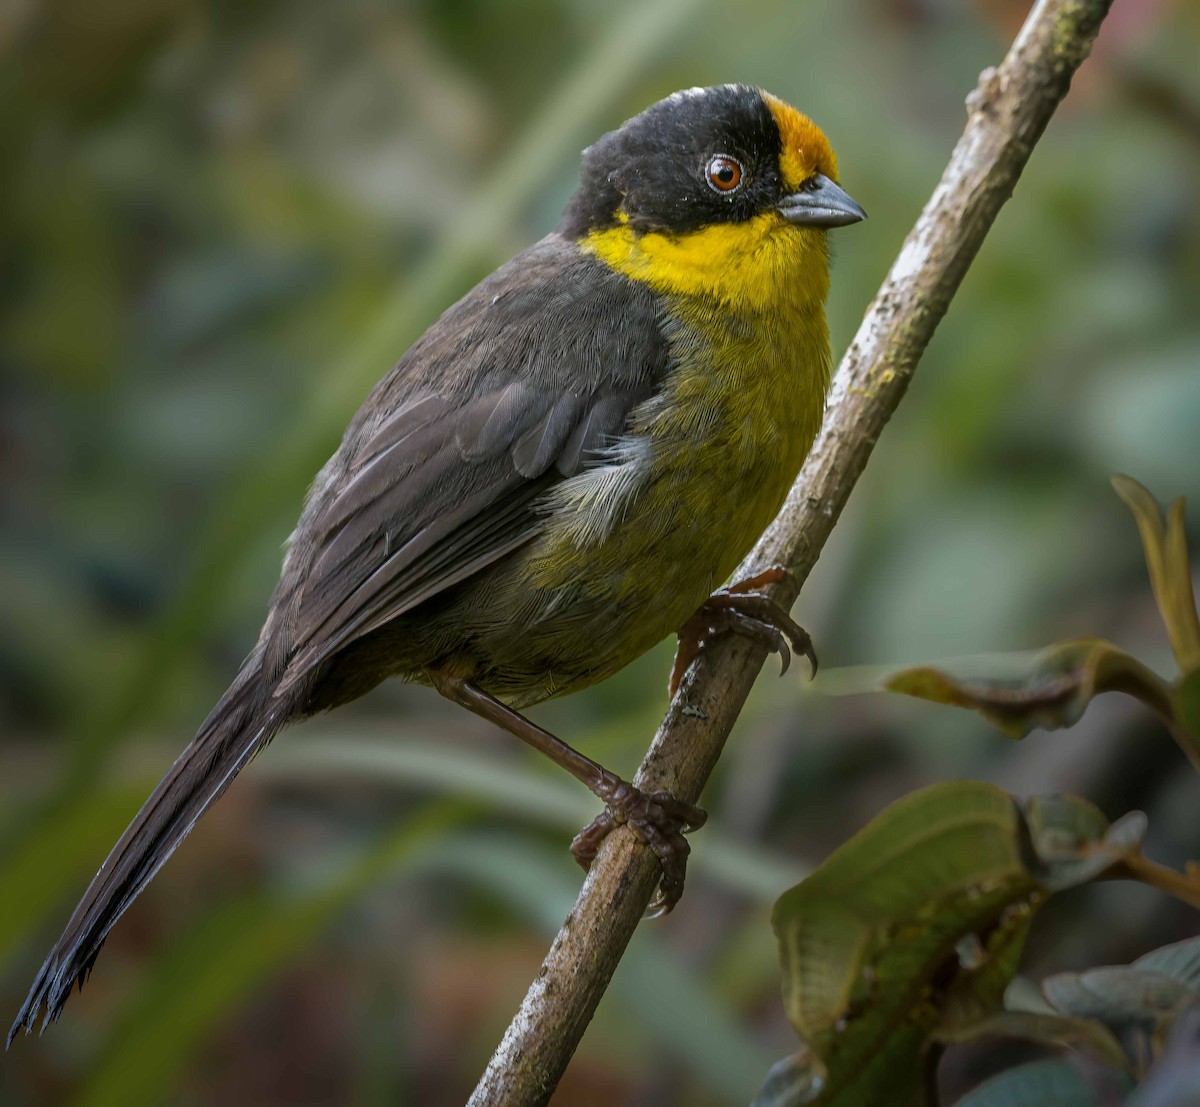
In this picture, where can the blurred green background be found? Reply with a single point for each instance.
(219, 224)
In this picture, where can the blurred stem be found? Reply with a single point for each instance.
(1006, 116)
(1160, 98)
(1183, 738)
(639, 30)
(1183, 886)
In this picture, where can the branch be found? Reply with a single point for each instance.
(1007, 114)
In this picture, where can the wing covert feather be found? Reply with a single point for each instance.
(520, 384)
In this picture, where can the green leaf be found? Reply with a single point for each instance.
(1024, 994)
(1084, 1035)
(1072, 842)
(1170, 572)
(1180, 961)
(975, 992)
(1053, 691)
(913, 929)
(1119, 996)
(1186, 695)
(1087, 1011)
(1037, 1084)
(792, 1082)
(1147, 995)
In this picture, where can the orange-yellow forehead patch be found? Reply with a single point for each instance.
(804, 148)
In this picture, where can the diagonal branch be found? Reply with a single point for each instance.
(1007, 114)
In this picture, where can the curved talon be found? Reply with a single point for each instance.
(661, 821)
(743, 608)
(785, 655)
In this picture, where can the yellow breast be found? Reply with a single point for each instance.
(706, 464)
(634, 545)
(744, 314)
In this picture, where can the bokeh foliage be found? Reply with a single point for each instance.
(220, 223)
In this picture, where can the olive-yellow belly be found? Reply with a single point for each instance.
(631, 549)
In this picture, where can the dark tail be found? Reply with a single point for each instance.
(240, 725)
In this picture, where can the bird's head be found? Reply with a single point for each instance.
(706, 178)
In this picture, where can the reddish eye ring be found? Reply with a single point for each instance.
(723, 173)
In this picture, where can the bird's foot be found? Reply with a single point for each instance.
(743, 608)
(659, 819)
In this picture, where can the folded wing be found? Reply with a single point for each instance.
(522, 384)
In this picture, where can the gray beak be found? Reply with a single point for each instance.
(820, 203)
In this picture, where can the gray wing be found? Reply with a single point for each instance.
(519, 385)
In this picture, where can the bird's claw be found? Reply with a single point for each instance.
(661, 821)
(743, 608)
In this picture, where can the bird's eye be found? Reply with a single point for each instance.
(724, 173)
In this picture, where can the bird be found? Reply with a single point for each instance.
(559, 474)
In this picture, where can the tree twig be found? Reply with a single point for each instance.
(1185, 886)
(1007, 114)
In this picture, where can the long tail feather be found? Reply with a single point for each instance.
(239, 726)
